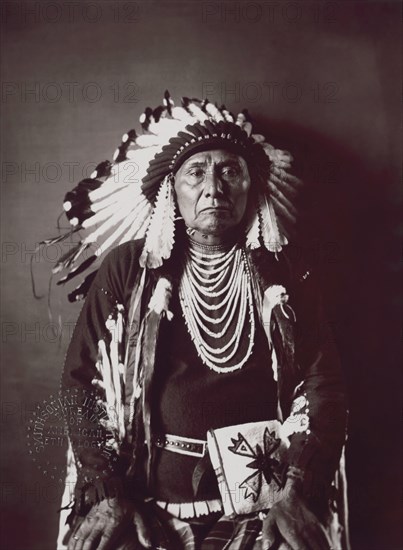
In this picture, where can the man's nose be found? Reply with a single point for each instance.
(213, 185)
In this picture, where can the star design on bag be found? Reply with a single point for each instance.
(265, 465)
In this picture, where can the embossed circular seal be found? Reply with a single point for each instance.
(76, 415)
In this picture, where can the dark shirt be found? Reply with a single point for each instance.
(192, 398)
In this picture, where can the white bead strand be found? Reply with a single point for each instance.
(195, 288)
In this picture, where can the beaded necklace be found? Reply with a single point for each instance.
(203, 290)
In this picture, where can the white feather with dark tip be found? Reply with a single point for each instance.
(160, 233)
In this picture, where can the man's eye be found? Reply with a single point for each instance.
(230, 172)
(197, 173)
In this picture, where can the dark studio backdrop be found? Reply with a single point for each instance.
(322, 80)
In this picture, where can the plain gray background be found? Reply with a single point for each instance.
(321, 78)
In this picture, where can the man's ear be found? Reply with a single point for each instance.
(252, 204)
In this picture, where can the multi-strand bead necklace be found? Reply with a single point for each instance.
(216, 296)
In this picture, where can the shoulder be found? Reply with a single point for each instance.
(290, 268)
(119, 269)
(123, 255)
(269, 268)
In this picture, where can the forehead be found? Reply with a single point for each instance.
(214, 156)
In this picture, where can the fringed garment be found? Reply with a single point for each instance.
(306, 364)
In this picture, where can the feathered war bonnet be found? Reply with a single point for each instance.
(132, 197)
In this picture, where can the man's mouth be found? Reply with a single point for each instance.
(215, 209)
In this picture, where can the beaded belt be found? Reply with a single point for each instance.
(189, 510)
(182, 445)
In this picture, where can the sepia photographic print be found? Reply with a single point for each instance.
(200, 275)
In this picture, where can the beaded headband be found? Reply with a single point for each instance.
(201, 137)
(132, 198)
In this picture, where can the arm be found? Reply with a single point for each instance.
(99, 492)
(317, 454)
(99, 472)
(313, 456)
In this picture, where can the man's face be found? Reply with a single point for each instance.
(212, 191)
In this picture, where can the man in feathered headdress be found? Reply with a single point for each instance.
(225, 421)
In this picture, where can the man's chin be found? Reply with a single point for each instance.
(217, 228)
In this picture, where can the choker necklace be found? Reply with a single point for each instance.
(195, 245)
(214, 290)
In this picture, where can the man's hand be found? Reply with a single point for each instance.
(104, 523)
(296, 524)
